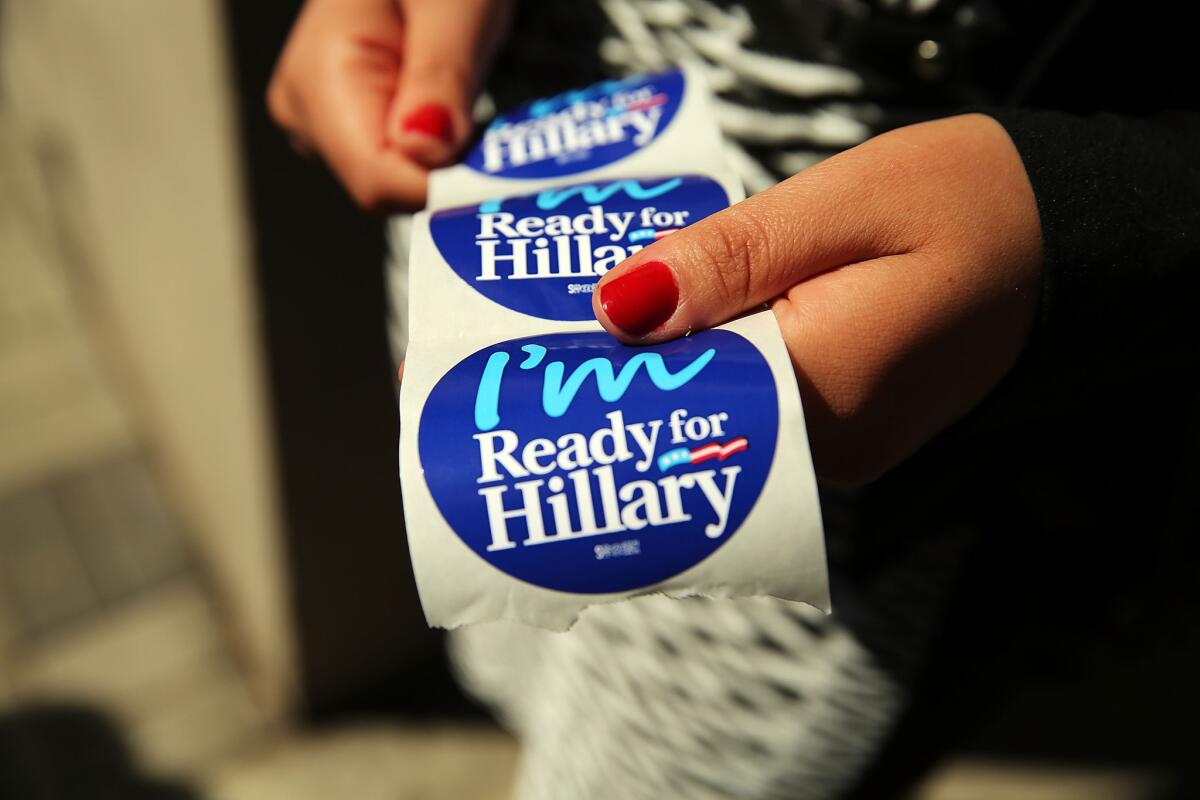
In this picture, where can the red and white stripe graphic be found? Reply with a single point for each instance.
(719, 451)
(649, 102)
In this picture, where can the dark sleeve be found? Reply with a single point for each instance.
(1089, 450)
(1119, 201)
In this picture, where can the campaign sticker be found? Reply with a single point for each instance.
(579, 130)
(576, 463)
(542, 254)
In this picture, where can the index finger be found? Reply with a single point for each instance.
(346, 116)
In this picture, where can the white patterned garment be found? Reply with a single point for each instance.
(662, 698)
(757, 698)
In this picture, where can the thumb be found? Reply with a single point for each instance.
(445, 48)
(836, 213)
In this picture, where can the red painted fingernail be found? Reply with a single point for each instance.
(641, 299)
(431, 119)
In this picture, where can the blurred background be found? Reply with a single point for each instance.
(204, 585)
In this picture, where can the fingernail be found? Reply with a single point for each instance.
(641, 299)
(431, 119)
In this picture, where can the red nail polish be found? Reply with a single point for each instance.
(430, 119)
(641, 299)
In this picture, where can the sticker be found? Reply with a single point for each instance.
(576, 463)
(580, 130)
(543, 254)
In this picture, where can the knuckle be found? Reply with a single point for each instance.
(735, 249)
(279, 103)
(437, 70)
(378, 197)
(368, 194)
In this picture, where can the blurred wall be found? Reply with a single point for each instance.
(361, 637)
(122, 112)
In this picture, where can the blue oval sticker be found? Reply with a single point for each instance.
(578, 464)
(542, 254)
(578, 130)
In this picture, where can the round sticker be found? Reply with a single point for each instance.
(580, 130)
(575, 463)
(542, 254)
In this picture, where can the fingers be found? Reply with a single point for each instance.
(332, 89)
(833, 214)
(446, 47)
(904, 273)
(346, 122)
(382, 89)
(912, 189)
(890, 352)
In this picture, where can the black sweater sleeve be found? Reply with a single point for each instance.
(1085, 460)
(1119, 202)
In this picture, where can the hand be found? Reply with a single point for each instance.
(904, 274)
(382, 89)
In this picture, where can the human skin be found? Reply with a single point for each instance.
(904, 274)
(382, 89)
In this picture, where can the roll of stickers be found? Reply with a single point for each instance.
(545, 466)
(639, 126)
